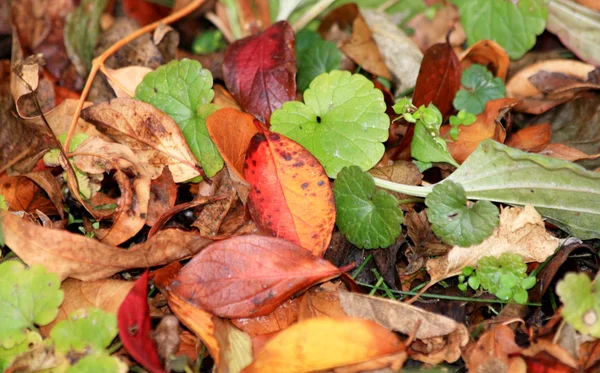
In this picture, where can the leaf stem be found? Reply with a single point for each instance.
(311, 14)
(411, 190)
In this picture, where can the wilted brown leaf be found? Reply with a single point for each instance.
(163, 195)
(321, 301)
(530, 139)
(491, 353)
(433, 31)
(567, 153)
(73, 255)
(489, 54)
(281, 318)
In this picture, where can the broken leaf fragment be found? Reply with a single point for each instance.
(342, 121)
(29, 297)
(581, 303)
(454, 221)
(368, 218)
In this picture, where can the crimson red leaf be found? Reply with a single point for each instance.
(260, 71)
(439, 78)
(135, 329)
(249, 276)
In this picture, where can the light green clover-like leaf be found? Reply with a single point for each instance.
(98, 363)
(369, 219)
(28, 297)
(512, 24)
(456, 223)
(7, 356)
(480, 87)
(183, 90)
(581, 303)
(505, 276)
(342, 121)
(314, 57)
(85, 330)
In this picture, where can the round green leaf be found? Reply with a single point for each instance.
(342, 121)
(85, 331)
(480, 87)
(183, 90)
(581, 303)
(28, 297)
(369, 219)
(98, 364)
(314, 57)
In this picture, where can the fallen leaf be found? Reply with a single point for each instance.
(531, 139)
(22, 194)
(281, 318)
(272, 270)
(73, 255)
(105, 294)
(566, 152)
(213, 214)
(260, 71)
(60, 118)
(577, 27)
(592, 4)
(489, 54)
(321, 301)
(402, 172)
(520, 231)
(163, 195)
(167, 339)
(488, 125)
(392, 43)
(492, 351)
(324, 344)
(24, 81)
(125, 80)
(231, 131)
(50, 185)
(154, 137)
(291, 196)
(429, 32)
(223, 98)
(144, 12)
(82, 29)
(133, 319)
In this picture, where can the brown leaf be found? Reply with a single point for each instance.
(402, 172)
(281, 318)
(405, 318)
(520, 231)
(224, 99)
(163, 194)
(567, 153)
(492, 351)
(46, 181)
(231, 131)
(125, 80)
(60, 118)
(489, 54)
(154, 137)
(22, 194)
(429, 32)
(324, 344)
(249, 276)
(213, 214)
(321, 301)
(531, 139)
(73, 255)
(260, 71)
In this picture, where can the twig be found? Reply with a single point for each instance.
(99, 61)
(215, 20)
(311, 14)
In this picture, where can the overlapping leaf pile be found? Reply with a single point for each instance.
(273, 198)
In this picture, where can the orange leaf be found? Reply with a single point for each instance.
(489, 54)
(231, 131)
(290, 197)
(249, 276)
(531, 139)
(324, 343)
(566, 152)
(492, 348)
(282, 317)
(487, 126)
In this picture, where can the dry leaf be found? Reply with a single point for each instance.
(125, 80)
(281, 318)
(520, 231)
(405, 318)
(163, 195)
(491, 354)
(154, 137)
(429, 32)
(566, 152)
(531, 139)
(489, 54)
(23, 194)
(321, 301)
(73, 255)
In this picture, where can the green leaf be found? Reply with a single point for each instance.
(503, 276)
(481, 87)
(183, 90)
(369, 219)
(98, 363)
(28, 297)
(208, 41)
(342, 122)
(474, 282)
(82, 30)
(7, 356)
(428, 146)
(314, 57)
(512, 24)
(86, 330)
(453, 221)
(581, 303)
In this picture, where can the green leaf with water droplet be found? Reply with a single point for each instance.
(581, 303)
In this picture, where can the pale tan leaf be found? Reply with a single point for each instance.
(125, 80)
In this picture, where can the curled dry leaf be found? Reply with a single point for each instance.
(520, 231)
(73, 255)
(260, 71)
(249, 276)
(97, 156)
(125, 80)
(492, 351)
(23, 193)
(231, 131)
(405, 318)
(163, 195)
(321, 301)
(60, 117)
(154, 137)
(489, 54)
(531, 139)
(432, 31)
(291, 196)
(24, 80)
(325, 344)
(567, 153)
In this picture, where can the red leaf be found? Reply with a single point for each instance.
(291, 196)
(134, 327)
(260, 71)
(439, 78)
(145, 12)
(249, 276)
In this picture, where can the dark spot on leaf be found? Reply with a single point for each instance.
(304, 185)
(274, 137)
(253, 162)
(287, 156)
(298, 164)
(143, 215)
(318, 119)
(320, 183)
(452, 216)
(133, 329)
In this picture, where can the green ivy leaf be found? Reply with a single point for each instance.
(505, 276)
(86, 330)
(369, 219)
(453, 221)
(28, 297)
(342, 121)
(481, 87)
(512, 24)
(581, 303)
(314, 57)
(82, 30)
(183, 90)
